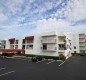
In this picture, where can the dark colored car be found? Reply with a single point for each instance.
(35, 59)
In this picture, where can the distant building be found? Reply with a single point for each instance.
(78, 43)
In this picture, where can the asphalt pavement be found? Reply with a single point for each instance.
(73, 68)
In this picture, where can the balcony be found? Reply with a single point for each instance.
(61, 51)
(82, 48)
(61, 42)
(29, 42)
(81, 40)
(49, 41)
(81, 35)
(82, 45)
(49, 49)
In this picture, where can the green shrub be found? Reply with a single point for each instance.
(51, 57)
(79, 54)
(43, 56)
(62, 57)
(82, 54)
(19, 54)
(7, 54)
(30, 55)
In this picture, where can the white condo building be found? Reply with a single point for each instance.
(49, 44)
(78, 43)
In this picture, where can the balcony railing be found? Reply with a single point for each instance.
(49, 49)
(61, 51)
(49, 41)
(81, 35)
(62, 48)
(82, 48)
(82, 40)
(82, 45)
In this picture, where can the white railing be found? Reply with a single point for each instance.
(82, 44)
(50, 49)
(49, 41)
(82, 48)
(82, 40)
(82, 36)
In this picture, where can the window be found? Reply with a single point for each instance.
(16, 42)
(29, 47)
(29, 41)
(16, 46)
(12, 46)
(3, 42)
(44, 47)
(74, 51)
(23, 41)
(3, 46)
(23, 46)
(74, 47)
(11, 42)
(62, 47)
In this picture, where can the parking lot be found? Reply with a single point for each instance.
(73, 68)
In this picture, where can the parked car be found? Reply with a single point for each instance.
(35, 59)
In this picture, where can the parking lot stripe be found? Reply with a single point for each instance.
(2, 68)
(61, 63)
(10, 57)
(40, 61)
(20, 59)
(7, 73)
(60, 60)
(50, 62)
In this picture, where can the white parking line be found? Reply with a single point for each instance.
(7, 73)
(21, 59)
(60, 60)
(10, 57)
(2, 68)
(61, 63)
(40, 61)
(50, 62)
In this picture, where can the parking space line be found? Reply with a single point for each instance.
(7, 73)
(2, 68)
(10, 57)
(40, 61)
(60, 60)
(61, 63)
(50, 62)
(21, 59)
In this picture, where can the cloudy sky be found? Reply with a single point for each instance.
(25, 17)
